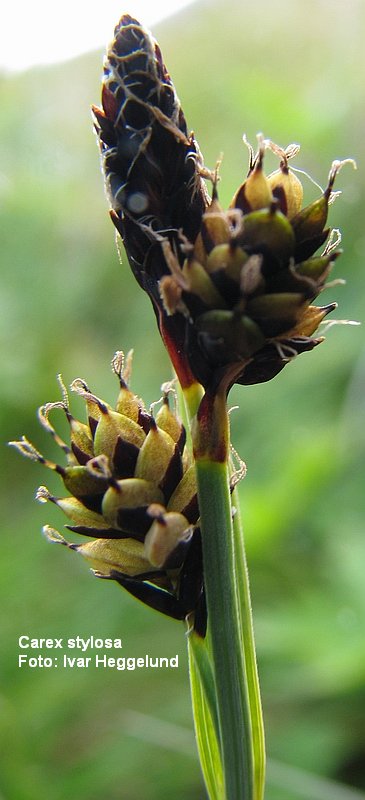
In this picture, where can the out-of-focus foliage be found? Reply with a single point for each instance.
(295, 71)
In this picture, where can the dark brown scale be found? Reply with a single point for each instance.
(124, 458)
(208, 240)
(176, 558)
(104, 533)
(136, 521)
(110, 107)
(290, 281)
(136, 62)
(136, 116)
(144, 420)
(191, 586)
(227, 287)
(201, 615)
(143, 87)
(279, 194)
(152, 596)
(191, 511)
(92, 501)
(80, 455)
(268, 362)
(274, 327)
(203, 369)
(271, 264)
(307, 248)
(182, 440)
(133, 37)
(214, 350)
(241, 202)
(106, 127)
(195, 304)
(93, 424)
(172, 475)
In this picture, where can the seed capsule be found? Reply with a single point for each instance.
(255, 192)
(168, 532)
(124, 555)
(227, 334)
(170, 423)
(310, 320)
(228, 257)
(81, 440)
(92, 403)
(125, 504)
(269, 232)
(155, 455)
(215, 226)
(74, 509)
(184, 499)
(199, 283)
(127, 403)
(276, 313)
(316, 268)
(309, 222)
(85, 486)
(112, 430)
(288, 190)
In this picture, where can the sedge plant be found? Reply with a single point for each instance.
(232, 292)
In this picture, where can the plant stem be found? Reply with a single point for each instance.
(205, 715)
(198, 648)
(229, 665)
(231, 655)
(248, 644)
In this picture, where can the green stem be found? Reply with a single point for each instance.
(228, 659)
(205, 715)
(227, 670)
(248, 643)
(199, 650)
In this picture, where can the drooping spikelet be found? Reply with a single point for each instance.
(132, 491)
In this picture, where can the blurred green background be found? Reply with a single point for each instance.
(293, 70)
